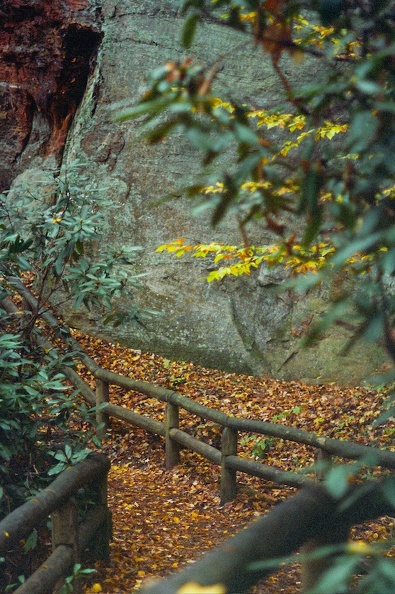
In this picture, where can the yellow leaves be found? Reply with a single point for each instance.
(288, 121)
(290, 144)
(217, 189)
(318, 421)
(194, 515)
(242, 260)
(249, 16)
(238, 268)
(292, 123)
(276, 32)
(359, 547)
(195, 588)
(330, 129)
(177, 247)
(217, 102)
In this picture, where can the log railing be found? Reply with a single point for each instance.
(311, 518)
(69, 539)
(227, 457)
(175, 437)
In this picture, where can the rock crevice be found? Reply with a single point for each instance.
(47, 51)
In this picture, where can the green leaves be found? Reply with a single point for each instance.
(78, 572)
(31, 541)
(67, 458)
(52, 242)
(362, 131)
(336, 579)
(59, 243)
(389, 490)
(146, 108)
(337, 480)
(189, 30)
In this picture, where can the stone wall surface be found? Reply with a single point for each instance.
(63, 66)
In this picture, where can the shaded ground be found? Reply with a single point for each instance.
(165, 519)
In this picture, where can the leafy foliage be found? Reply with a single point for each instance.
(36, 407)
(54, 241)
(340, 131)
(325, 162)
(78, 573)
(242, 260)
(60, 242)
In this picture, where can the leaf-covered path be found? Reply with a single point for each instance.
(165, 519)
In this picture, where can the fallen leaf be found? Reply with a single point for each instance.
(195, 588)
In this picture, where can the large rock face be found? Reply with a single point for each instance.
(62, 66)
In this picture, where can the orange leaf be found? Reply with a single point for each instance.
(276, 38)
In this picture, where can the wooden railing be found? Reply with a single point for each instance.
(69, 539)
(227, 458)
(309, 521)
(312, 517)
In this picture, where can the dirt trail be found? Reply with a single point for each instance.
(165, 519)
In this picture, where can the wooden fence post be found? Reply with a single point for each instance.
(99, 547)
(102, 395)
(322, 460)
(228, 475)
(65, 532)
(172, 447)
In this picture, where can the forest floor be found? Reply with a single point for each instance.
(164, 519)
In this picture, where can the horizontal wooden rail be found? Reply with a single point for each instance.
(68, 537)
(227, 458)
(19, 523)
(190, 442)
(277, 534)
(335, 447)
(83, 387)
(45, 578)
(269, 473)
(311, 515)
(124, 414)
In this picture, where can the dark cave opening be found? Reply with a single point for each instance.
(79, 50)
(48, 51)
